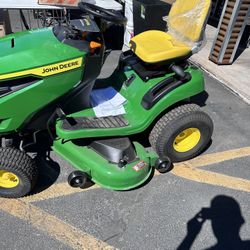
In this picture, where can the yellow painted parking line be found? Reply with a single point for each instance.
(51, 225)
(55, 191)
(214, 158)
(202, 176)
(189, 170)
(77, 239)
(185, 170)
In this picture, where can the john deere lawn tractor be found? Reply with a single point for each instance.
(51, 98)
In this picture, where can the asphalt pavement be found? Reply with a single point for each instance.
(207, 204)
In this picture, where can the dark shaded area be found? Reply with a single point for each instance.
(243, 42)
(216, 11)
(49, 171)
(111, 41)
(108, 28)
(148, 15)
(200, 99)
(226, 219)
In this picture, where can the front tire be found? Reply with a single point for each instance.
(18, 173)
(182, 133)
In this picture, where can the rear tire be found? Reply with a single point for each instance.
(182, 133)
(18, 173)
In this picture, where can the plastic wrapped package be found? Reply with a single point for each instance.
(186, 22)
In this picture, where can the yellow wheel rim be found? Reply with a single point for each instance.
(8, 179)
(187, 140)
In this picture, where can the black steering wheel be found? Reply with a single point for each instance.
(108, 15)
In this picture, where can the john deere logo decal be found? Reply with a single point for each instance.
(47, 70)
(60, 67)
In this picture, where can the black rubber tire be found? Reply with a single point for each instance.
(23, 166)
(174, 122)
(78, 179)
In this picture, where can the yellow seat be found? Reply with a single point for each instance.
(186, 23)
(155, 46)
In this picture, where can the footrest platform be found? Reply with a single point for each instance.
(79, 123)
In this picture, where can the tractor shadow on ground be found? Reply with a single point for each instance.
(226, 221)
(49, 171)
(200, 99)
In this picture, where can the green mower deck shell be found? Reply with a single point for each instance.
(139, 118)
(101, 171)
(29, 45)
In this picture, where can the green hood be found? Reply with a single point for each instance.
(32, 49)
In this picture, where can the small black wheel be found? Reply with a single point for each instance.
(182, 133)
(78, 179)
(18, 173)
(163, 165)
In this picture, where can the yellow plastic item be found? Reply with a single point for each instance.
(187, 140)
(186, 23)
(8, 179)
(187, 19)
(155, 46)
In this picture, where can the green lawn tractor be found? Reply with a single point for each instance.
(50, 98)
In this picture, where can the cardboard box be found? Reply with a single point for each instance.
(60, 2)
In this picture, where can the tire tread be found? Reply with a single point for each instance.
(167, 123)
(15, 160)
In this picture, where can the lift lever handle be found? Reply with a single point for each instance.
(180, 73)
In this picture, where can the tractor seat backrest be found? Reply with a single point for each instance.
(187, 20)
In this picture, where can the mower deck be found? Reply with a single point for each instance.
(101, 171)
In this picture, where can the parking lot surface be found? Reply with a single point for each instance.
(201, 203)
